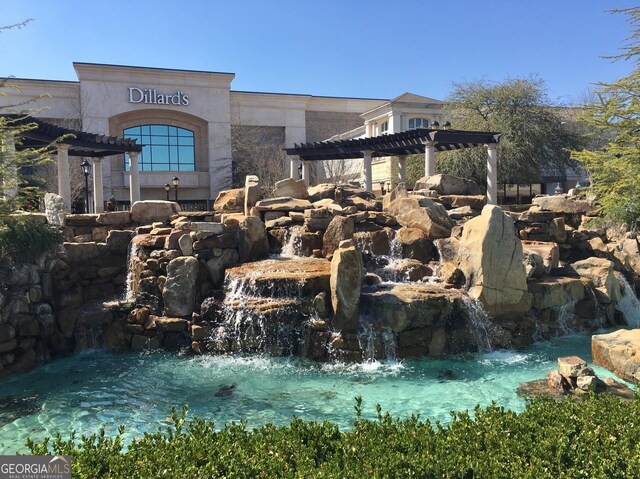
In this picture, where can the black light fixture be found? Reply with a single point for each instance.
(86, 170)
(176, 183)
(382, 187)
(300, 171)
(435, 125)
(167, 188)
(447, 125)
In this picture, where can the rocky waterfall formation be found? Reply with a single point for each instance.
(333, 273)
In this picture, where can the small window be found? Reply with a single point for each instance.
(418, 123)
(384, 128)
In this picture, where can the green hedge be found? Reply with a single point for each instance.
(598, 437)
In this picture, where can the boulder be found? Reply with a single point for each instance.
(407, 270)
(114, 218)
(179, 292)
(216, 266)
(150, 211)
(283, 203)
(230, 201)
(422, 213)
(345, 283)
(475, 202)
(601, 272)
(81, 252)
(118, 240)
(398, 192)
(415, 244)
(328, 203)
(565, 204)
(321, 191)
(573, 367)
(55, 209)
(253, 243)
(619, 352)
(554, 292)
(557, 230)
(292, 188)
(251, 193)
(461, 212)
(82, 220)
(340, 228)
(448, 185)
(490, 256)
(548, 252)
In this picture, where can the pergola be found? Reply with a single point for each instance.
(79, 143)
(423, 140)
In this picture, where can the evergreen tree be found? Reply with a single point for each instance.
(614, 115)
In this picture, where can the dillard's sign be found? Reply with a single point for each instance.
(152, 96)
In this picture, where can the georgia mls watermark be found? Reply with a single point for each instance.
(35, 467)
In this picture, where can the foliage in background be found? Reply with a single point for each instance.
(598, 437)
(535, 135)
(614, 114)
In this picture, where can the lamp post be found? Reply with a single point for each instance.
(167, 188)
(300, 171)
(176, 182)
(86, 170)
(382, 187)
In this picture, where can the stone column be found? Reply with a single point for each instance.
(134, 180)
(64, 183)
(395, 123)
(306, 172)
(492, 174)
(429, 159)
(294, 162)
(368, 182)
(10, 180)
(98, 194)
(402, 169)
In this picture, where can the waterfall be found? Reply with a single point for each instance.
(292, 243)
(478, 323)
(376, 343)
(132, 272)
(566, 313)
(629, 305)
(599, 310)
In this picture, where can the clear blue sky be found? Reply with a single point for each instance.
(371, 49)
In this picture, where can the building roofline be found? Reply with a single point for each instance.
(10, 78)
(149, 68)
(309, 95)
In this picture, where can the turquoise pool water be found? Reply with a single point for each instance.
(99, 388)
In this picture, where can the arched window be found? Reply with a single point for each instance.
(166, 148)
(418, 123)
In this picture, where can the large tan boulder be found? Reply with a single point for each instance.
(341, 228)
(490, 256)
(548, 253)
(422, 213)
(291, 187)
(345, 283)
(618, 352)
(217, 265)
(253, 243)
(151, 211)
(321, 191)
(448, 185)
(251, 193)
(179, 292)
(415, 244)
(601, 273)
(399, 191)
(554, 292)
(230, 201)
(565, 204)
(627, 251)
(283, 203)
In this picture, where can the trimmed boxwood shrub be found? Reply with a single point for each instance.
(597, 437)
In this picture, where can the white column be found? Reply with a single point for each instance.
(429, 159)
(306, 172)
(64, 183)
(395, 122)
(98, 198)
(10, 180)
(402, 169)
(368, 129)
(294, 163)
(134, 180)
(492, 174)
(368, 182)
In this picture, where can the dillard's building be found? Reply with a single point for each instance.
(184, 119)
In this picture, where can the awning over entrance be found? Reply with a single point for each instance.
(422, 140)
(78, 143)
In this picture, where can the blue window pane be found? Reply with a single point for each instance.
(160, 140)
(185, 141)
(159, 130)
(145, 129)
(183, 132)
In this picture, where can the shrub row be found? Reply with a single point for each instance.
(598, 437)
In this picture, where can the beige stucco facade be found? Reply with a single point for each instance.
(107, 99)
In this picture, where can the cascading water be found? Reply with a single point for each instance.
(629, 305)
(565, 314)
(376, 343)
(478, 323)
(291, 246)
(132, 269)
